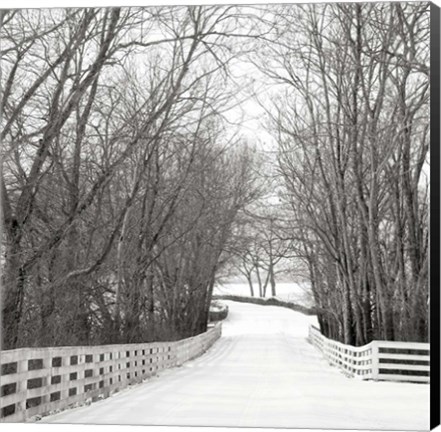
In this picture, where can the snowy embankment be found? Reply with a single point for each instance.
(289, 291)
(261, 373)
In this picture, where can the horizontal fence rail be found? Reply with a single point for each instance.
(378, 360)
(37, 381)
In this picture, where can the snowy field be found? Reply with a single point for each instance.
(261, 373)
(294, 292)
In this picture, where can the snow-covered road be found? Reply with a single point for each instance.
(262, 372)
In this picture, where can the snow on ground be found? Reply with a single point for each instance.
(261, 373)
(294, 292)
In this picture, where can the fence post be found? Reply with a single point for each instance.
(375, 360)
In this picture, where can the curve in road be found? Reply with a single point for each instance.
(261, 373)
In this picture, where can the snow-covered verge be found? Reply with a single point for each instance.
(262, 373)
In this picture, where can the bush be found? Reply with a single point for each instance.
(218, 311)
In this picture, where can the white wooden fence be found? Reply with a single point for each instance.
(36, 381)
(378, 360)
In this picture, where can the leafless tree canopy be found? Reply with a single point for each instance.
(125, 188)
(119, 185)
(352, 125)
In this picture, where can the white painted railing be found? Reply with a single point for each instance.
(378, 360)
(36, 381)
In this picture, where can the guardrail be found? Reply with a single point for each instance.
(37, 381)
(378, 360)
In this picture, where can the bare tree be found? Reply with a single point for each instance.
(348, 72)
(102, 119)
